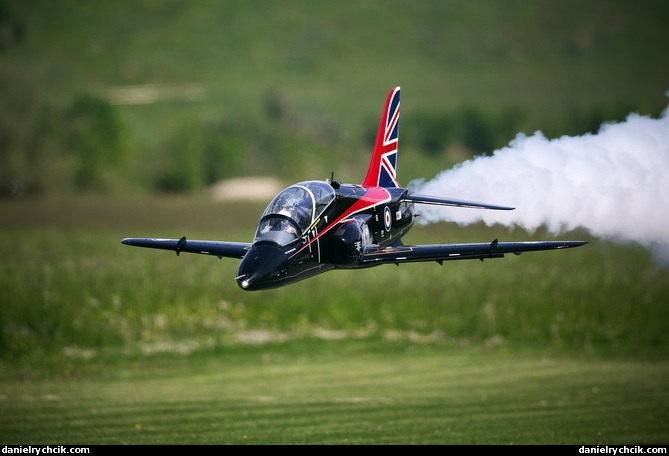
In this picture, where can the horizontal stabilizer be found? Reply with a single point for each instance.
(219, 249)
(427, 199)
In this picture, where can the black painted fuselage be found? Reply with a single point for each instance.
(315, 226)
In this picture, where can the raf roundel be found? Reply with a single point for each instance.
(387, 218)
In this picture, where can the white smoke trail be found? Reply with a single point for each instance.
(614, 183)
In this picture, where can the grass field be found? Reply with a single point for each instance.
(347, 392)
(102, 343)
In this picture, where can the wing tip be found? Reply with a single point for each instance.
(568, 244)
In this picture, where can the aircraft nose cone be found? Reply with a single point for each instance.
(262, 265)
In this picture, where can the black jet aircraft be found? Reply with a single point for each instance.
(316, 226)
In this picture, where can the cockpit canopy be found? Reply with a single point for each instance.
(293, 211)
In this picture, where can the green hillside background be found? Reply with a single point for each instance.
(171, 96)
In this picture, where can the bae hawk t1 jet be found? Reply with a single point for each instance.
(317, 226)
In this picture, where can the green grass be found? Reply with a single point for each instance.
(73, 283)
(103, 343)
(347, 393)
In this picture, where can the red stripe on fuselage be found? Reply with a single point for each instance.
(373, 197)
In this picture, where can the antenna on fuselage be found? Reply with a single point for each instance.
(333, 182)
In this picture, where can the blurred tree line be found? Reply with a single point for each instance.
(79, 145)
(58, 142)
(84, 146)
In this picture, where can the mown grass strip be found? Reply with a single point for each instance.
(415, 397)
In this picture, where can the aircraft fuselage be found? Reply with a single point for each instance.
(356, 217)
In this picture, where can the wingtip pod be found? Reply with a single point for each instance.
(166, 244)
(528, 246)
(382, 171)
(568, 244)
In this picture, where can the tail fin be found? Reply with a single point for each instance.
(382, 167)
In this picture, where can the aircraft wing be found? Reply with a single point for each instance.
(427, 199)
(447, 252)
(219, 249)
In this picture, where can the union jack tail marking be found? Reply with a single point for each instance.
(382, 170)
